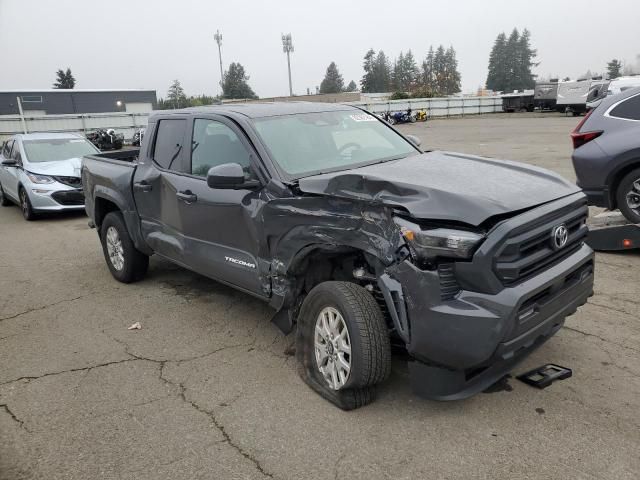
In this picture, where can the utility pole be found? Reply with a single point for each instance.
(287, 47)
(218, 38)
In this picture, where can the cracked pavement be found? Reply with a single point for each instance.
(208, 387)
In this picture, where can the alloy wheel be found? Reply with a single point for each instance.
(633, 196)
(332, 347)
(115, 249)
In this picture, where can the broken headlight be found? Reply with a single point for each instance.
(428, 243)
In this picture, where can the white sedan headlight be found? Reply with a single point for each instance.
(40, 179)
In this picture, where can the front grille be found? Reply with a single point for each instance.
(528, 250)
(69, 197)
(449, 287)
(74, 182)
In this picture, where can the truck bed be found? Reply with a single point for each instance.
(128, 155)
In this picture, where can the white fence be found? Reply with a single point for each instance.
(127, 123)
(438, 107)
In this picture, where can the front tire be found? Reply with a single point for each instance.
(628, 196)
(4, 200)
(126, 263)
(25, 205)
(342, 344)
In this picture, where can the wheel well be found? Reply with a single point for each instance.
(618, 178)
(101, 208)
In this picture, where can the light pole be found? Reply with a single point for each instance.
(218, 38)
(287, 47)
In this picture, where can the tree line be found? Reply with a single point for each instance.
(438, 74)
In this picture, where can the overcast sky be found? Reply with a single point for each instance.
(148, 43)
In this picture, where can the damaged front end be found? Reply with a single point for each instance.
(469, 306)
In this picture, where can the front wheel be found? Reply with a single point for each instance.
(126, 263)
(25, 206)
(628, 196)
(342, 344)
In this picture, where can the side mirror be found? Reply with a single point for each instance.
(229, 176)
(413, 139)
(9, 162)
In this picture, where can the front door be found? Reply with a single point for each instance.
(219, 225)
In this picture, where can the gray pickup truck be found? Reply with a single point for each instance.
(354, 235)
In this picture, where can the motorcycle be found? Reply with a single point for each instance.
(421, 115)
(106, 139)
(402, 117)
(137, 137)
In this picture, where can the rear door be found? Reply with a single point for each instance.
(156, 184)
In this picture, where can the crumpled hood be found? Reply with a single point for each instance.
(445, 186)
(61, 168)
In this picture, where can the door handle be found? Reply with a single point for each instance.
(142, 187)
(187, 196)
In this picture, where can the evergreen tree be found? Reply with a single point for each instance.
(352, 87)
(368, 81)
(333, 82)
(382, 73)
(525, 62)
(428, 72)
(64, 80)
(614, 68)
(511, 61)
(439, 67)
(405, 72)
(235, 83)
(451, 75)
(175, 96)
(497, 78)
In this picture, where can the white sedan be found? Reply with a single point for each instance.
(41, 172)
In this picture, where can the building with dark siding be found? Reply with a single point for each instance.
(58, 101)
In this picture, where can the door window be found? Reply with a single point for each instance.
(214, 143)
(6, 151)
(167, 151)
(15, 153)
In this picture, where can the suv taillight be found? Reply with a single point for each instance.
(580, 138)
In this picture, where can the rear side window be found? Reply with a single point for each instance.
(167, 150)
(629, 109)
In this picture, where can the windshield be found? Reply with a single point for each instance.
(312, 143)
(56, 149)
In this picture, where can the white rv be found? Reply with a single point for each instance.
(573, 96)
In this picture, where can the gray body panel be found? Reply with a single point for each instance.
(600, 163)
(271, 231)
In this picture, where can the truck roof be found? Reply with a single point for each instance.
(266, 109)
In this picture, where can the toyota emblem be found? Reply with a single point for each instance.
(559, 237)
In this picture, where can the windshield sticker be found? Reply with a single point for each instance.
(363, 117)
(79, 140)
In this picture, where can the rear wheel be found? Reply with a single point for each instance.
(25, 206)
(4, 200)
(126, 263)
(628, 196)
(343, 346)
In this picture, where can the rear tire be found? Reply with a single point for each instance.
(628, 196)
(25, 205)
(126, 263)
(4, 200)
(321, 351)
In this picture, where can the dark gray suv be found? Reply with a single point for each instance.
(607, 154)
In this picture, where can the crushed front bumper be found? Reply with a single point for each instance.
(463, 345)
